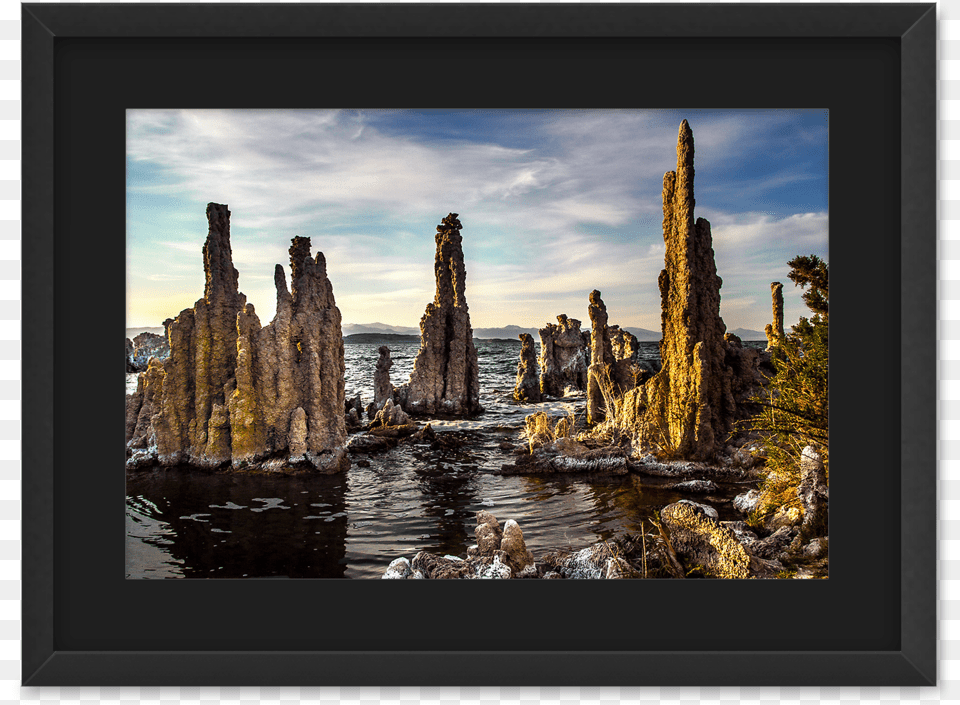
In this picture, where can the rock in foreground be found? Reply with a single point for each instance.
(691, 543)
(707, 548)
(498, 554)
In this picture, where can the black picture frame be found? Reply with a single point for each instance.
(61, 43)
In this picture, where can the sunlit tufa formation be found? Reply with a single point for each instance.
(528, 374)
(235, 393)
(446, 377)
(601, 358)
(563, 357)
(290, 393)
(774, 330)
(382, 389)
(689, 405)
(610, 374)
(625, 344)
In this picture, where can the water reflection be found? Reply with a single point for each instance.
(193, 524)
(210, 525)
(449, 488)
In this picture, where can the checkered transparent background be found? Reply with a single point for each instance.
(948, 689)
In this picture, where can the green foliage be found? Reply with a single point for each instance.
(810, 270)
(794, 406)
(796, 403)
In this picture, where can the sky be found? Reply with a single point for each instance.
(554, 204)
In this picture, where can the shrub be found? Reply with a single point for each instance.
(794, 406)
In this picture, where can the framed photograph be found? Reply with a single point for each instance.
(128, 112)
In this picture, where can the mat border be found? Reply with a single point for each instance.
(915, 27)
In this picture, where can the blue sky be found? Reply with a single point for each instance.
(553, 204)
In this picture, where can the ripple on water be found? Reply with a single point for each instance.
(202, 524)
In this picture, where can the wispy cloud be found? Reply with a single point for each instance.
(554, 204)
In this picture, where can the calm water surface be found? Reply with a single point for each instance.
(183, 523)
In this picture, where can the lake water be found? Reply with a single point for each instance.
(186, 523)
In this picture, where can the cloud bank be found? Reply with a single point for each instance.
(554, 204)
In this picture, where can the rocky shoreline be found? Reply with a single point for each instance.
(686, 541)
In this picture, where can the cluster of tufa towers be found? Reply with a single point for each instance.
(235, 393)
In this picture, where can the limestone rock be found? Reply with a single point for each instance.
(399, 431)
(513, 545)
(488, 534)
(705, 508)
(813, 493)
(145, 346)
(397, 570)
(445, 378)
(624, 343)
(425, 434)
(744, 366)
(353, 413)
(382, 389)
(441, 568)
(391, 415)
(498, 554)
(608, 375)
(294, 362)
(695, 486)
(142, 459)
(773, 545)
(601, 350)
(742, 531)
(601, 360)
(747, 502)
(528, 373)
(355, 402)
(565, 455)
(774, 330)
(496, 570)
(235, 393)
(689, 403)
(129, 356)
(702, 543)
(364, 443)
(142, 408)
(587, 564)
(298, 435)
(563, 357)
(203, 359)
(816, 548)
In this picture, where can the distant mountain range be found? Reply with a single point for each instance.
(134, 332)
(357, 328)
(644, 335)
(513, 332)
(504, 333)
(382, 338)
(747, 334)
